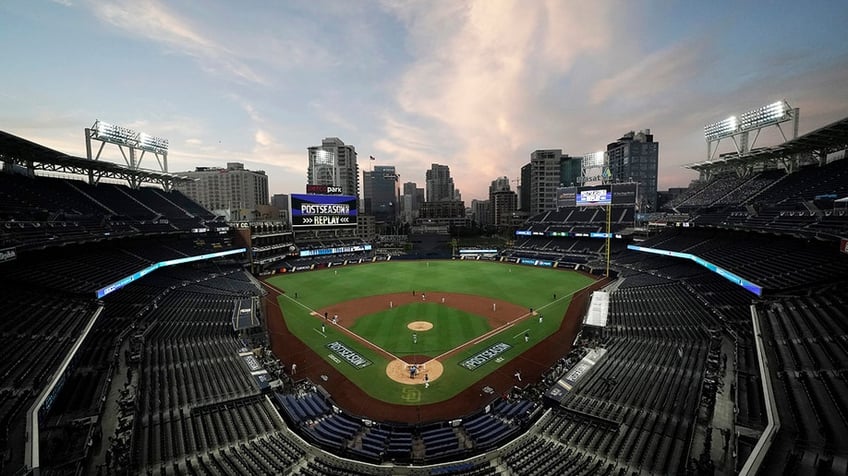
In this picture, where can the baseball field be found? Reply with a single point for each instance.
(420, 332)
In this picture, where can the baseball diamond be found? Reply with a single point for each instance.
(460, 323)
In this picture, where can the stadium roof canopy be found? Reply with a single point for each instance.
(19, 151)
(820, 142)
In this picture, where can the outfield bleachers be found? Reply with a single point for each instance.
(774, 200)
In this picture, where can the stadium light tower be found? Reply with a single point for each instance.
(738, 127)
(324, 170)
(593, 167)
(130, 143)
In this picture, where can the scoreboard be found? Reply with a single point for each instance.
(593, 196)
(311, 210)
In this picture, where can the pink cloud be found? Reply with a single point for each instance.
(476, 74)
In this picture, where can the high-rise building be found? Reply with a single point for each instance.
(503, 202)
(498, 185)
(545, 170)
(233, 191)
(571, 168)
(334, 163)
(380, 194)
(480, 212)
(280, 201)
(524, 189)
(411, 201)
(635, 158)
(439, 184)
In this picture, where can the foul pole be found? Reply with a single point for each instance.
(609, 234)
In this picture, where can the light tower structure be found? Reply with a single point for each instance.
(323, 168)
(133, 146)
(738, 128)
(593, 168)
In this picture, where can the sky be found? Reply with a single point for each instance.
(476, 85)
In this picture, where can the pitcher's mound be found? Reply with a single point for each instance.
(420, 326)
(398, 370)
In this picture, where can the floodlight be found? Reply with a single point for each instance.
(721, 129)
(323, 157)
(101, 126)
(593, 159)
(125, 136)
(770, 114)
(115, 134)
(152, 144)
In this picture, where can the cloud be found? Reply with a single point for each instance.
(264, 147)
(332, 115)
(268, 149)
(654, 74)
(478, 72)
(263, 139)
(153, 21)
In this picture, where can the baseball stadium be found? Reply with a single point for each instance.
(144, 334)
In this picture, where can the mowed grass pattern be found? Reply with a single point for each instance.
(523, 285)
(451, 328)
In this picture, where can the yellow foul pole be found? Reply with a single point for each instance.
(609, 235)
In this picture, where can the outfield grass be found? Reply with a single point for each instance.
(522, 285)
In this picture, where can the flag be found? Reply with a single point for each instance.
(372, 157)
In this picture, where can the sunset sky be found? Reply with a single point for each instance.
(475, 85)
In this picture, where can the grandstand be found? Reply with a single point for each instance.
(697, 374)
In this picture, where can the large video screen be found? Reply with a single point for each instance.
(308, 211)
(624, 193)
(593, 196)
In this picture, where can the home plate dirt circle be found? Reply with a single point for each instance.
(420, 326)
(398, 370)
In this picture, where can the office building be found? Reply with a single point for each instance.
(233, 192)
(480, 212)
(280, 200)
(545, 179)
(411, 201)
(439, 184)
(524, 189)
(380, 193)
(503, 202)
(635, 158)
(571, 169)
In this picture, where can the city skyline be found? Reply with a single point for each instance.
(476, 86)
